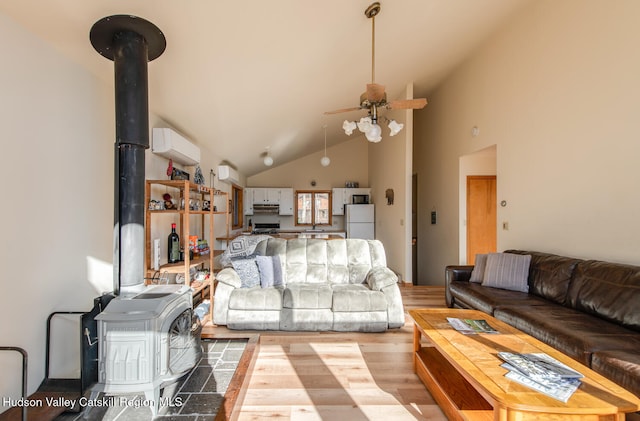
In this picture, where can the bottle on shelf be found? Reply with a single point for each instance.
(174, 245)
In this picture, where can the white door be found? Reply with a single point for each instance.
(360, 213)
(364, 230)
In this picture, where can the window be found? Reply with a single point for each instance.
(236, 207)
(313, 207)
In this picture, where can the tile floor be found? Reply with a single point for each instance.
(195, 397)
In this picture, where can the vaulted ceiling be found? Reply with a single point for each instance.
(242, 76)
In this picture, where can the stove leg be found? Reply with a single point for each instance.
(153, 396)
(92, 398)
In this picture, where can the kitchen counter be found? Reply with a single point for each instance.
(287, 234)
(326, 234)
(320, 235)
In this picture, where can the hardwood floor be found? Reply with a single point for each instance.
(336, 376)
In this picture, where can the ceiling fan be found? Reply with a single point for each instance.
(375, 97)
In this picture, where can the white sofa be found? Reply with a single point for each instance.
(341, 285)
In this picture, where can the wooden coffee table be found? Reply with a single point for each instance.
(463, 374)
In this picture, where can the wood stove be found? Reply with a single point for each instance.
(147, 341)
(147, 335)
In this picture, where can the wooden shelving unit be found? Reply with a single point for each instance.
(183, 191)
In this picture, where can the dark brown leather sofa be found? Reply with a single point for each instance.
(589, 310)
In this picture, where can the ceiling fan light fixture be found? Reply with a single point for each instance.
(375, 97)
(395, 127)
(364, 125)
(349, 127)
(374, 134)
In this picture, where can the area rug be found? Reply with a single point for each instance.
(198, 396)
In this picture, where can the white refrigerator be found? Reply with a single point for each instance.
(360, 221)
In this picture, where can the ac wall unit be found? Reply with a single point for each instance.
(172, 145)
(228, 174)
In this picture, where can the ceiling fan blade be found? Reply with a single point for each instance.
(375, 92)
(407, 103)
(344, 110)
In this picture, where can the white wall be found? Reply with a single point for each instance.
(557, 91)
(349, 162)
(57, 142)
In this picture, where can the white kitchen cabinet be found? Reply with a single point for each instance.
(259, 195)
(266, 195)
(247, 201)
(343, 196)
(286, 201)
(338, 200)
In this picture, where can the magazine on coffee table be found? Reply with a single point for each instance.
(542, 373)
(539, 365)
(561, 390)
(470, 326)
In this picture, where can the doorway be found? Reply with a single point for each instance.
(481, 215)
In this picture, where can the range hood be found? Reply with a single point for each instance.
(266, 208)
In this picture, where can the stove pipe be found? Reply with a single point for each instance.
(130, 42)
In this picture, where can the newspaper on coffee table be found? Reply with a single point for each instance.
(542, 373)
(470, 326)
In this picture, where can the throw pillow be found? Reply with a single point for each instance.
(278, 279)
(244, 245)
(270, 271)
(237, 247)
(247, 271)
(477, 274)
(265, 267)
(507, 271)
